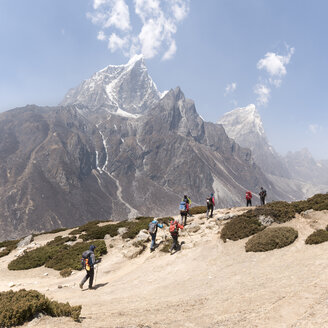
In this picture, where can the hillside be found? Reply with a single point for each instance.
(208, 283)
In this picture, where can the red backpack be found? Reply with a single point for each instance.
(173, 227)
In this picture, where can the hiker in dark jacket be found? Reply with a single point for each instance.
(89, 266)
(153, 226)
(174, 231)
(262, 194)
(210, 205)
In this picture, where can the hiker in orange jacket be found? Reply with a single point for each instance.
(174, 231)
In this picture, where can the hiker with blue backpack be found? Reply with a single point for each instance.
(88, 261)
(152, 229)
(183, 207)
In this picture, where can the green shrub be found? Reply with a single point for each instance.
(71, 257)
(166, 246)
(10, 245)
(57, 255)
(317, 237)
(240, 227)
(85, 227)
(96, 232)
(19, 307)
(198, 210)
(140, 244)
(134, 227)
(271, 238)
(65, 272)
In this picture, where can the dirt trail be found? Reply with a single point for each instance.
(207, 284)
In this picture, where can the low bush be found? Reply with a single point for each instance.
(198, 210)
(19, 307)
(166, 246)
(271, 238)
(134, 227)
(241, 227)
(85, 227)
(57, 255)
(317, 237)
(9, 246)
(65, 273)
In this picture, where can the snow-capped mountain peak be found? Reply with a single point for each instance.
(117, 87)
(243, 121)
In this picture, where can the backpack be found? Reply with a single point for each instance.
(182, 206)
(209, 200)
(152, 227)
(85, 259)
(173, 227)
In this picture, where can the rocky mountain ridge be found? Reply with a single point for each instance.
(297, 175)
(115, 149)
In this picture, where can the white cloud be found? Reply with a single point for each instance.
(230, 88)
(315, 128)
(101, 36)
(171, 51)
(263, 93)
(275, 64)
(115, 42)
(180, 9)
(159, 20)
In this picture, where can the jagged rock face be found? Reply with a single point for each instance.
(126, 88)
(171, 151)
(47, 159)
(244, 125)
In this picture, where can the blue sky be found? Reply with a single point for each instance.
(222, 53)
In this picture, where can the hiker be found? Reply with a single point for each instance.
(152, 228)
(88, 261)
(210, 205)
(174, 231)
(188, 203)
(248, 198)
(262, 194)
(183, 207)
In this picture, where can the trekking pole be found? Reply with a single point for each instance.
(96, 273)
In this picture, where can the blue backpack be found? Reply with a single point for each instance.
(182, 206)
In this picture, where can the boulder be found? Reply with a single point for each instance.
(2, 249)
(122, 230)
(143, 235)
(193, 227)
(24, 242)
(266, 220)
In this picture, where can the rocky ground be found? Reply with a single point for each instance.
(207, 283)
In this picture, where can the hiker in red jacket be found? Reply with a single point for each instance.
(174, 231)
(248, 198)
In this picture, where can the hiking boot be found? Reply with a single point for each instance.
(80, 285)
(152, 249)
(91, 287)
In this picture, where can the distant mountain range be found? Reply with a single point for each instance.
(297, 175)
(116, 148)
